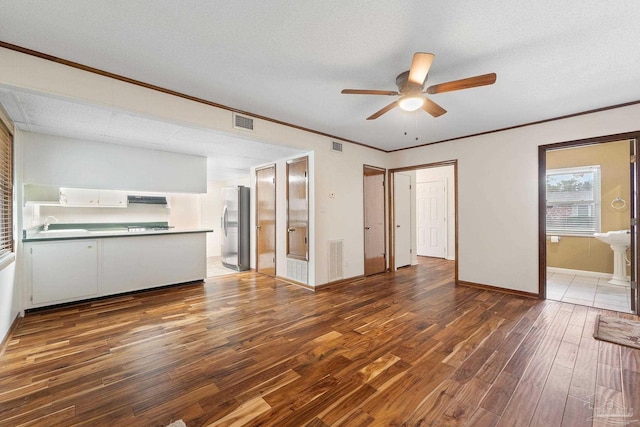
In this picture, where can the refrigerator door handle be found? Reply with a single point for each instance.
(224, 220)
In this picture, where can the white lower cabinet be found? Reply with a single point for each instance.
(62, 271)
(70, 270)
(133, 263)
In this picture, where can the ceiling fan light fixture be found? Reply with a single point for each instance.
(411, 102)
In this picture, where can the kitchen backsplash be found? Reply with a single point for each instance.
(179, 212)
(137, 213)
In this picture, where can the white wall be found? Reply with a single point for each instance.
(342, 217)
(54, 160)
(211, 208)
(498, 192)
(9, 298)
(184, 210)
(446, 174)
(34, 215)
(10, 290)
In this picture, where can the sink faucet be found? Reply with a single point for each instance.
(45, 227)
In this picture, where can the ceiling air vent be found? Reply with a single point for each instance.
(336, 146)
(242, 122)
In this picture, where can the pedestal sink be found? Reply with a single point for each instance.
(619, 242)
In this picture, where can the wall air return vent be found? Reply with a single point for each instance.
(336, 146)
(242, 122)
(336, 260)
(297, 270)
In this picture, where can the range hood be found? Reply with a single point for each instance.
(147, 200)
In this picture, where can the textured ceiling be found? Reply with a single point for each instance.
(228, 157)
(288, 60)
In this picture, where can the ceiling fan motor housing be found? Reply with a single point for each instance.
(405, 87)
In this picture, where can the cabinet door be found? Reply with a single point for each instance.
(112, 199)
(63, 271)
(78, 197)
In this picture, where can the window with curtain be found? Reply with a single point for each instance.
(573, 201)
(6, 190)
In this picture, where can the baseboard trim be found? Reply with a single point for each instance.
(498, 289)
(340, 282)
(323, 286)
(5, 340)
(293, 282)
(580, 272)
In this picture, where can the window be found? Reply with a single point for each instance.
(573, 201)
(6, 191)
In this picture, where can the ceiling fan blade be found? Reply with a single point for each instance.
(432, 108)
(483, 80)
(378, 113)
(368, 92)
(420, 67)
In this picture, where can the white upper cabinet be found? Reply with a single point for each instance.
(78, 197)
(88, 197)
(112, 199)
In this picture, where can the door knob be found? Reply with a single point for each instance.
(258, 227)
(398, 226)
(367, 228)
(289, 230)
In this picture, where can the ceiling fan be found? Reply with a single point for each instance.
(411, 88)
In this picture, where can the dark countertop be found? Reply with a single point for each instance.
(100, 230)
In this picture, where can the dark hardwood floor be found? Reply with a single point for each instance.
(406, 348)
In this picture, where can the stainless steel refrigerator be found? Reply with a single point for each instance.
(235, 227)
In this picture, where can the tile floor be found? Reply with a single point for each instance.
(587, 290)
(215, 267)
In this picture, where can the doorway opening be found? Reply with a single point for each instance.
(423, 214)
(588, 195)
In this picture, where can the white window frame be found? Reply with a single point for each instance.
(593, 203)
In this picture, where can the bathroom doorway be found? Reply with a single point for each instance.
(588, 196)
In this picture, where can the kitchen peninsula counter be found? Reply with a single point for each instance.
(93, 231)
(72, 262)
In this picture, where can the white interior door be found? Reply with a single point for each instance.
(402, 219)
(431, 218)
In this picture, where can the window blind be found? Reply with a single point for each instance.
(573, 200)
(6, 190)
